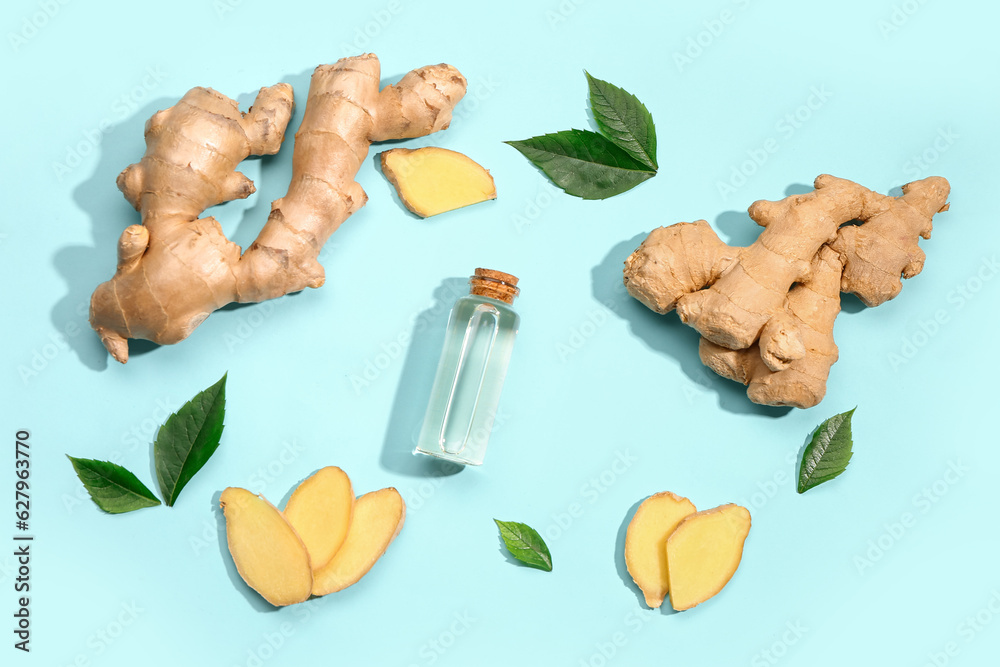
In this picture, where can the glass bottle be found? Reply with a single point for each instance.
(470, 374)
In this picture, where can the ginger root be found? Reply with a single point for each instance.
(435, 180)
(176, 268)
(766, 312)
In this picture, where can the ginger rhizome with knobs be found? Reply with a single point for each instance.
(766, 312)
(176, 268)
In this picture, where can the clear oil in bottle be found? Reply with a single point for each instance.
(470, 374)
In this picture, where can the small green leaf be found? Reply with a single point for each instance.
(525, 544)
(583, 163)
(113, 488)
(828, 453)
(624, 119)
(188, 439)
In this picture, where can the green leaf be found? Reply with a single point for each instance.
(583, 163)
(828, 453)
(624, 120)
(113, 488)
(188, 439)
(525, 544)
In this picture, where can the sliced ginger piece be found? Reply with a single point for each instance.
(704, 552)
(378, 517)
(268, 553)
(320, 511)
(646, 543)
(434, 180)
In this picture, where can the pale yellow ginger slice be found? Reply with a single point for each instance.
(320, 511)
(704, 552)
(646, 543)
(268, 553)
(434, 180)
(378, 518)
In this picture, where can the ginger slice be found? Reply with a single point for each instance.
(320, 511)
(704, 552)
(378, 518)
(646, 543)
(434, 180)
(268, 553)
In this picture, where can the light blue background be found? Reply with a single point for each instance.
(605, 402)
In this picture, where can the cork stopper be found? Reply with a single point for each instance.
(494, 284)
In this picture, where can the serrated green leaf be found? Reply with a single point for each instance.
(112, 488)
(828, 453)
(188, 439)
(584, 164)
(525, 544)
(624, 120)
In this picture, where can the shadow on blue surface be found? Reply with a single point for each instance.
(414, 389)
(666, 334)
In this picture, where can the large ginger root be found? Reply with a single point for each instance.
(815, 303)
(766, 312)
(176, 268)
